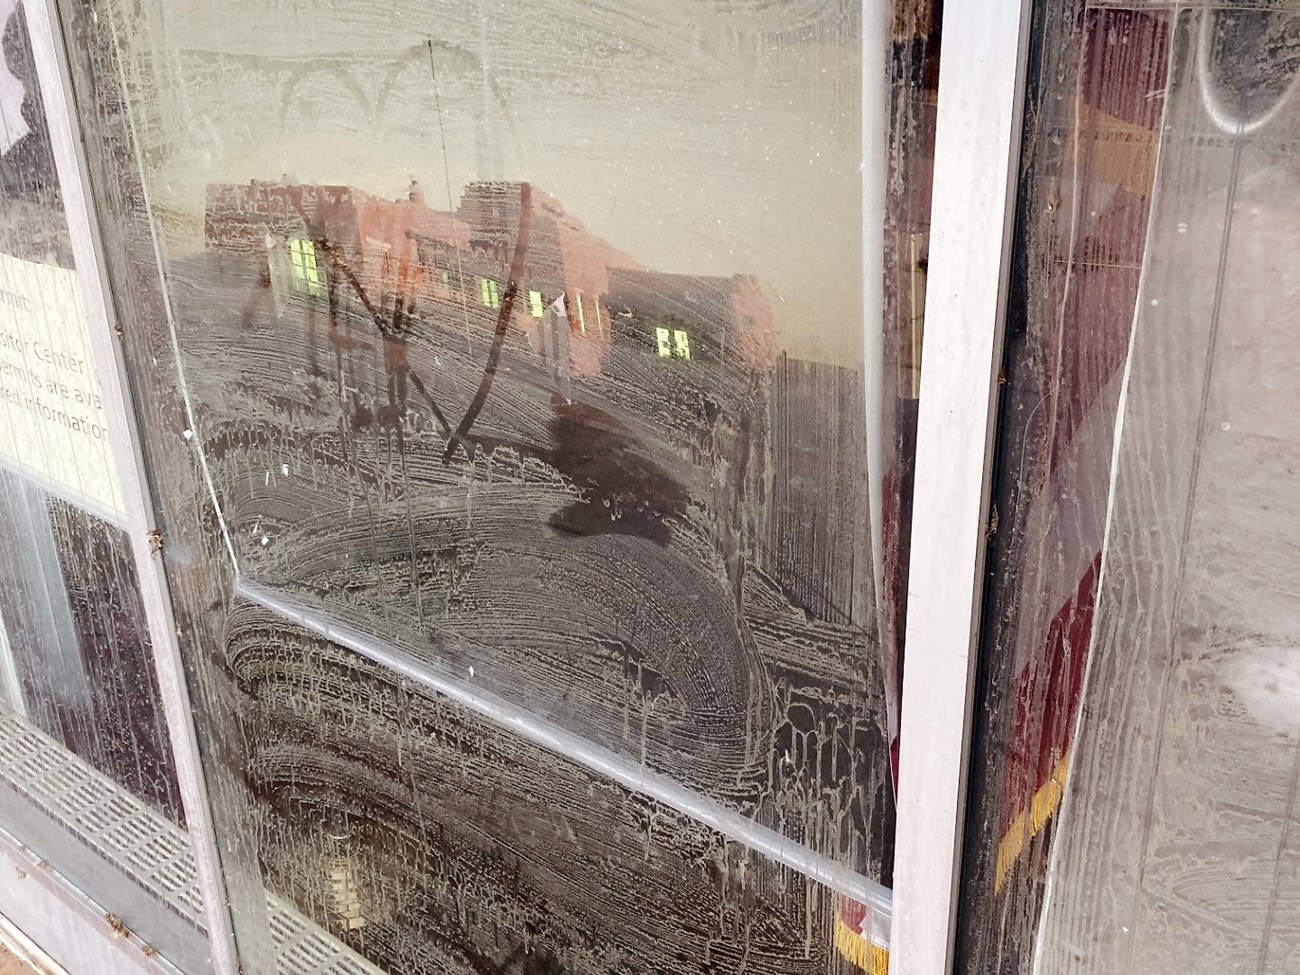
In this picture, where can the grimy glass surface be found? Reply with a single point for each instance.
(73, 645)
(518, 346)
(1135, 787)
(531, 342)
(84, 754)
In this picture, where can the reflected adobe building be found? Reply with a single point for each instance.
(402, 263)
(493, 440)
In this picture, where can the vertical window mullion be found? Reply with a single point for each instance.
(56, 90)
(981, 93)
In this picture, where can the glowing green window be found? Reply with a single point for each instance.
(672, 342)
(489, 293)
(682, 342)
(535, 304)
(302, 254)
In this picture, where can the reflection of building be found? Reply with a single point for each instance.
(407, 263)
(692, 317)
(519, 328)
(650, 534)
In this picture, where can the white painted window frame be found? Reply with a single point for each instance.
(977, 143)
(977, 148)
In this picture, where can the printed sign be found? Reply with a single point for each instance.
(52, 426)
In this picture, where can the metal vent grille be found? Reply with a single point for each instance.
(154, 850)
(303, 948)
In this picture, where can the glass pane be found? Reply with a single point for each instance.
(515, 351)
(85, 766)
(430, 840)
(606, 469)
(1135, 793)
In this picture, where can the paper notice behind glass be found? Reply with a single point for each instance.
(52, 427)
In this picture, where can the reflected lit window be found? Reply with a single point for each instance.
(306, 277)
(535, 304)
(682, 343)
(489, 293)
(673, 342)
(582, 317)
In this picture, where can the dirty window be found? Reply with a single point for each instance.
(514, 352)
(1134, 784)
